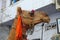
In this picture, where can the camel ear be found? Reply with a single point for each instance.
(19, 10)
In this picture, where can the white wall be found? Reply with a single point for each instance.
(25, 5)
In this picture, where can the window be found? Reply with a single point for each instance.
(58, 25)
(13, 1)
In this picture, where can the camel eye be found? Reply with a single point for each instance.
(40, 19)
(31, 14)
(46, 15)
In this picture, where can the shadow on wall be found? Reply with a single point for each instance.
(35, 39)
(8, 23)
(4, 32)
(50, 9)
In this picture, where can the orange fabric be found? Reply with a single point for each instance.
(19, 28)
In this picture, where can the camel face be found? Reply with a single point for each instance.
(38, 17)
(30, 18)
(41, 16)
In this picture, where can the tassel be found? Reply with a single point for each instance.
(19, 28)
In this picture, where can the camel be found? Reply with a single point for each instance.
(29, 20)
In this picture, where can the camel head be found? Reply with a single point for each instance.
(32, 17)
(41, 16)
